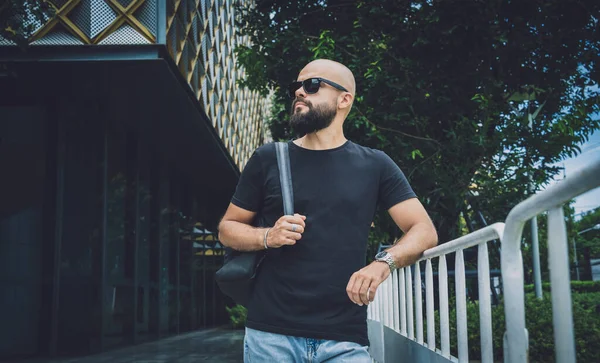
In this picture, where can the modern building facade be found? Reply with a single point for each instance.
(122, 134)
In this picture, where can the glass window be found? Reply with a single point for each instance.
(164, 231)
(117, 303)
(143, 264)
(22, 161)
(81, 221)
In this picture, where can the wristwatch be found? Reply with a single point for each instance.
(386, 257)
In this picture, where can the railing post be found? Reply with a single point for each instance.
(562, 312)
(429, 303)
(419, 302)
(409, 304)
(396, 302)
(444, 315)
(535, 246)
(515, 343)
(461, 308)
(485, 304)
(387, 306)
(390, 292)
(402, 281)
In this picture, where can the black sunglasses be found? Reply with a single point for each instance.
(311, 86)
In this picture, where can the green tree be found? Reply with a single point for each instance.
(590, 238)
(19, 19)
(471, 99)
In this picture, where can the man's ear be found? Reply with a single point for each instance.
(345, 100)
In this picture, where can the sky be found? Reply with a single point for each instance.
(590, 152)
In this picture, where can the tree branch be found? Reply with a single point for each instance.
(323, 9)
(423, 162)
(396, 131)
(336, 45)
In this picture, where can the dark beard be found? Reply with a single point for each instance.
(315, 119)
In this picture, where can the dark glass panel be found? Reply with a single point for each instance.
(186, 239)
(154, 247)
(143, 263)
(22, 160)
(164, 233)
(118, 299)
(81, 229)
(175, 214)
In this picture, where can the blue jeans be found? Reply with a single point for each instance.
(260, 346)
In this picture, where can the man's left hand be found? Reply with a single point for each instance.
(363, 284)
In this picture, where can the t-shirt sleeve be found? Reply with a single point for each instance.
(249, 191)
(393, 185)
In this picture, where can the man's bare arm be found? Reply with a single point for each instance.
(419, 232)
(419, 235)
(236, 230)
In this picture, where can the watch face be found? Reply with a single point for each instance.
(380, 255)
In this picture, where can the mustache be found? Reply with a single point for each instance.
(301, 100)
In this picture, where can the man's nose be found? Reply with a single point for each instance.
(300, 93)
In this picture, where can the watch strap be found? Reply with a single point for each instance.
(389, 260)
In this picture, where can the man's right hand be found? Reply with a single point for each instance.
(286, 231)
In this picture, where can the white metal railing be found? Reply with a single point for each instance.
(393, 305)
(551, 200)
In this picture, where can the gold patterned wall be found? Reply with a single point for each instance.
(201, 38)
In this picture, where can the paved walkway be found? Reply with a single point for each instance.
(218, 345)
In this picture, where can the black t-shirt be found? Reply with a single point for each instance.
(300, 290)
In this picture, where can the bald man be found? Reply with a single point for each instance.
(311, 292)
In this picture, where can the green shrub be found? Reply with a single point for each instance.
(237, 316)
(586, 322)
(538, 319)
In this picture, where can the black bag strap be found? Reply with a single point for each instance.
(285, 177)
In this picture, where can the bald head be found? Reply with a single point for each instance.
(330, 70)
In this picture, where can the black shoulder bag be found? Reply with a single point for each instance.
(236, 277)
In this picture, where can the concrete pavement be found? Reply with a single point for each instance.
(219, 345)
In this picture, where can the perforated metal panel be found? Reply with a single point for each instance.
(125, 3)
(80, 16)
(59, 36)
(201, 38)
(101, 15)
(147, 15)
(125, 35)
(6, 42)
(99, 22)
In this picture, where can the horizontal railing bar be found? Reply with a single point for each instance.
(469, 273)
(557, 194)
(491, 232)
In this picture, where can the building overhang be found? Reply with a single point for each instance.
(141, 87)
